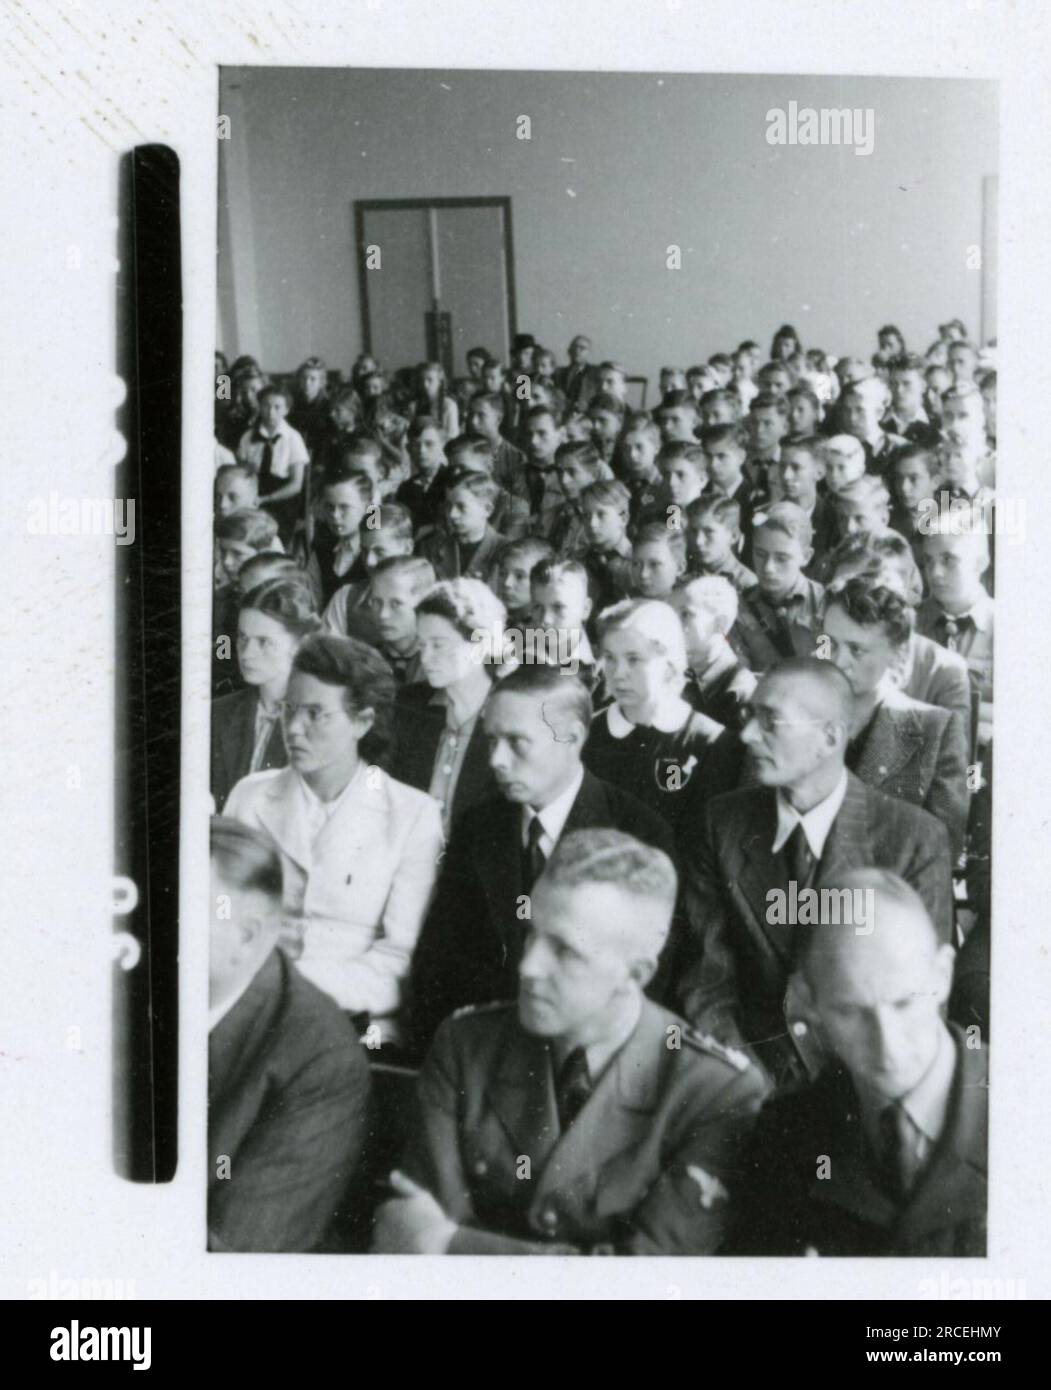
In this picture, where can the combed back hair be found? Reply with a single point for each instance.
(889, 328)
(276, 389)
(911, 452)
(415, 567)
(481, 352)
(608, 366)
(680, 400)
(468, 604)
(246, 858)
(724, 434)
(548, 571)
(585, 858)
(348, 395)
(549, 408)
(871, 605)
(720, 359)
(467, 480)
(359, 481)
(682, 451)
(846, 446)
(657, 622)
(248, 525)
(868, 554)
(907, 362)
(532, 549)
(392, 519)
(962, 523)
(715, 594)
(869, 388)
(725, 511)
(768, 400)
(471, 446)
(288, 601)
(312, 364)
(419, 423)
(641, 422)
(721, 394)
(787, 519)
(365, 677)
(581, 452)
(357, 444)
(270, 565)
(808, 444)
(243, 470)
(867, 489)
(608, 493)
(605, 404)
(822, 675)
(564, 696)
(802, 392)
(657, 533)
(887, 889)
(492, 400)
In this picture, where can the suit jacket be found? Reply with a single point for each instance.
(288, 1094)
(936, 676)
(579, 385)
(444, 554)
(919, 753)
(735, 965)
(786, 1209)
(362, 883)
(418, 728)
(648, 1166)
(471, 942)
(233, 742)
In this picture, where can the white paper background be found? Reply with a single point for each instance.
(84, 83)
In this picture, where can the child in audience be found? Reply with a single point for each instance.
(246, 381)
(466, 546)
(721, 367)
(805, 412)
(578, 427)
(512, 582)
(424, 493)
(606, 414)
(396, 586)
(862, 407)
(279, 457)
(671, 379)
(639, 447)
(468, 453)
(685, 476)
(963, 425)
(613, 381)
(988, 389)
(959, 611)
(658, 559)
(915, 483)
(717, 684)
(578, 464)
(561, 603)
(242, 539)
(801, 471)
(678, 419)
(485, 416)
(775, 379)
(720, 407)
(724, 456)
(782, 616)
(544, 434)
(907, 417)
(863, 505)
(236, 489)
(608, 556)
(767, 426)
(310, 408)
(335, 555)
(844, 461)
(701, 379)
(433, 399)
(650, 741)
(240, 535)
(713, 534)
(385, 532)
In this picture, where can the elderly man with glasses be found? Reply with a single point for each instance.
(803, 826)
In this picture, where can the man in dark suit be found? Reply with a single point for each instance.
(579, 382)
(536, 723)
(582, 1119)
(885, 1154)
(288, 1084)
(907, 749)
(236, 728)
(807, 822)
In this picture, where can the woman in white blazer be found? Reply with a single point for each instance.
(360, 851)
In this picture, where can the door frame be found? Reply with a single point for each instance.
(364, 205)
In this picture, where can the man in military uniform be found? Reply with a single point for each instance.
(885, 1154)
(584, 1119)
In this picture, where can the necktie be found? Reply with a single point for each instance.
(266, 463)
(573, 1086)
(533, 865)
(954, 627)
(895, 1145)
(799, 858)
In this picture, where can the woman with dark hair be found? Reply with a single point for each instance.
(272, 620)
(441, 744)
(359, 850)
(785, 345)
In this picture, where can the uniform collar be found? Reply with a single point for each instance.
(667, 719)
(927, 1104)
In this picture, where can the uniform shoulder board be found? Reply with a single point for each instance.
(704, 1042)
(469, 1010)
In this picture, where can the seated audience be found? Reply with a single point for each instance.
(781, 616)
(466, 545)
(717, 684)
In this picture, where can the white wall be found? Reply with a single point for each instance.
(619, 166)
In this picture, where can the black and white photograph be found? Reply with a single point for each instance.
(602, 704)
(508, 516)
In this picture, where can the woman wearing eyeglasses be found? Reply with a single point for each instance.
(359, 849)
(272, 620)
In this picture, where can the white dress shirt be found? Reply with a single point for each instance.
(553, 817)
(816, 823)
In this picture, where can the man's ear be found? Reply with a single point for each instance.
(642, 970)
(364, 720)
(586, 610)
(808, 555)
(944, 962)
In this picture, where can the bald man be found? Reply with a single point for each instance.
(807, 822)
(886, 1153)
(583, 1119)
